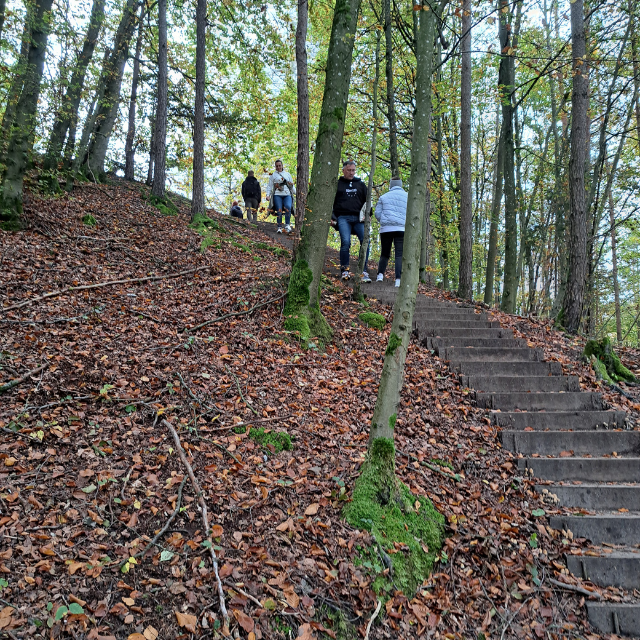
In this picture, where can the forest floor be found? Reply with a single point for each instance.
(89, 472)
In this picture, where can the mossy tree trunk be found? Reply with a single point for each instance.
(21, 138)
(304, 285)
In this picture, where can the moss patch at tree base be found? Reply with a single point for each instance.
(407, 528)
(373, 320)
(614, 370)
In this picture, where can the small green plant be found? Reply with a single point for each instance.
(273, 441)
(89, 220)
(373, 320)
(62, 612)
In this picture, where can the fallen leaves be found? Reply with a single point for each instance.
(187, 621)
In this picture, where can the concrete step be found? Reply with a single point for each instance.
(449, 313)
(472, 342)
(612, 528)
(569, 401)
(553, 443)
(583, 469)
(436, 324)
(594, 496)
(521, 383)
(456, 355)
(429, 331)
(615, 569)
(560, 420)
(513, 369)
(620, 618)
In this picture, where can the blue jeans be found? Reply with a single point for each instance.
(280, 203)
(348, 226)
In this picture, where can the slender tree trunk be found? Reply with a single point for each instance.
(68, 112)
(391, 106)
(152, 148)
(614, 268)
(304, 284)
(197, 199)
(574, 294)
(636, 75)
(24, 124)
(444, 251)
(109, 87)
(426, 248)
(129, 148)
(159, 176)
(465, 273)
(3, 5)
(302, 175)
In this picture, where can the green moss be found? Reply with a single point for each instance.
(600, 370)
(240, 246)
(386, 507)
(298, 295)
(394, 343)
(298, 324)
(164, 205)
(392, 421)
(373, 320)
(603, 351)
(89, 220)
(280, 440)
(442, 463)
(337, 621)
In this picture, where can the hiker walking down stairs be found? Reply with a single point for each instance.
(251, 194)
(282, 189)
(391, 213)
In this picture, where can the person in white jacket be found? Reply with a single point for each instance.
(391, 213)
(282, 189)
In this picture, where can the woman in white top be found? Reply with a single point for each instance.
(281, 186)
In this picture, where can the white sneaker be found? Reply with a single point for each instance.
(288, 229)
(365, 277)
(380, 277)
(346, 275)
(397, 282)
(279, 230)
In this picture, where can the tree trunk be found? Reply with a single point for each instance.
(391, 106)
(636, 76)
(614, 268)
(506, 87)
(159, 176)
(68, 112)
(110, 84)
(577, 274)
(3, 5)
(426, 250)
(302, 175)
(303, 297)
(465, 273)
(152, 148)
(129, 149)
(444, 251)
(24, 124)
(357, 295)
(198, 205)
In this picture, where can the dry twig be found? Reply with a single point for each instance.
(576, 588)
(21, 379)
(373, 617)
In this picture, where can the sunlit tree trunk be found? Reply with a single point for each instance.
(391, 106)
(465, 273)
(129, 149)
(21, 138)
(197, 198)
(160, 161)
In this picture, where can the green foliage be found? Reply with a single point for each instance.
(394, 342)
(280, 440)
(373, 320)
(603, 352)
(384, 506)
(89, 220)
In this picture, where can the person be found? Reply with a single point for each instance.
(236, 211)
(251, 194)
(391, 213)
(282, 189)
(349, 203)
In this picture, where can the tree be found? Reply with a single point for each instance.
(198, 205)
(160, 161)
(303, 308)
(465, 279)
(577, 274)
(21, 138)
(391, 107)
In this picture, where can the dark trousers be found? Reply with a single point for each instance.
(386, 240)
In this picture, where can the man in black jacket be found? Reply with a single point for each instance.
(251, 194)
(350, 199)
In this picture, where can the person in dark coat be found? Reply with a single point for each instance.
(252, 195)
(236, 211)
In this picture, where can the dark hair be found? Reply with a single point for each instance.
(250, 173)
(346, 162)
(396, 178)
(280, 161)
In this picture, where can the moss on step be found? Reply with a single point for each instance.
(373, 320)
(603, 352)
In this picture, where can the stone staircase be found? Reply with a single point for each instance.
(582, 453)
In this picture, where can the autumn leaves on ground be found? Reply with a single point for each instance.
(90, 474)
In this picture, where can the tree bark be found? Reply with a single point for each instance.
(129, 149)
(3, 5)
(302, 171)
(198, 205)
(384, 415)
(152, 148)
(391, 107)
(68, 112)
(614, 268)
(24, 124)
(427, 238)
(304, 283)
(465, 272)
(577, 274)
(160, 162)
(109, 87)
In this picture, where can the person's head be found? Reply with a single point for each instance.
(250, 174)
(235, 203)
(349, 169)
(396, 181)
(279, 165)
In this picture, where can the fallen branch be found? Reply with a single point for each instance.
(245, 594)
(205, 517)
(250, 422)
(576, 588)
(85, 287)
(240, 390)
(373, 617)
(237, 313)
(21, 379)
(433, 467)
